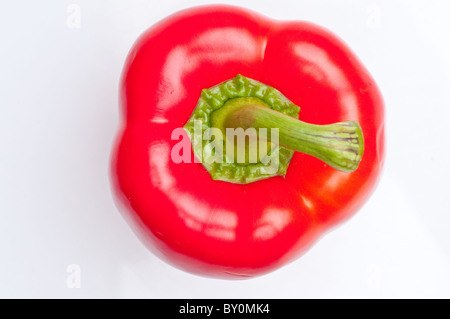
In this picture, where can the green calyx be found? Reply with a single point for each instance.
(227, 168)
(243, 131)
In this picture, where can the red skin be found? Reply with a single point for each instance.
(225, 230)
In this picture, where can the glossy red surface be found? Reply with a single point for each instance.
(215, 228)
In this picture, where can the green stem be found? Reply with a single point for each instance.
(340, 145)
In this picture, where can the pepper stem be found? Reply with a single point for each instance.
(340, 145)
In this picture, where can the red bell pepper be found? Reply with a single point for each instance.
(238, 230)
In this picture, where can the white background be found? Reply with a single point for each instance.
(61, 235)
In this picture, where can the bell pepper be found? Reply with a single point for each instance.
(228, 67)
